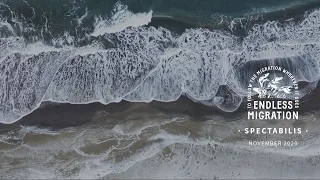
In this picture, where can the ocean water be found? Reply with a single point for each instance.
(57, 56)
(118, 57)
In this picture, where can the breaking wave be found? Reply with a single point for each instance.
(124, 60)
(121, 19)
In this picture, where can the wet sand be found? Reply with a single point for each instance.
(144, 142)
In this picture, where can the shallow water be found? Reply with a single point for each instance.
(147, 143)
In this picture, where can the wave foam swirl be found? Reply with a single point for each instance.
(147, 63)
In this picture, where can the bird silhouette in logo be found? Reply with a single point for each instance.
(263, 79)
(269, 88)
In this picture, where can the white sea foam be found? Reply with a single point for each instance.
(121, 19)
(146, 63)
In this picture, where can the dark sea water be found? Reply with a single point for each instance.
(152, 88)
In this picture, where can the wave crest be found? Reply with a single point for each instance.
(147, 63)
